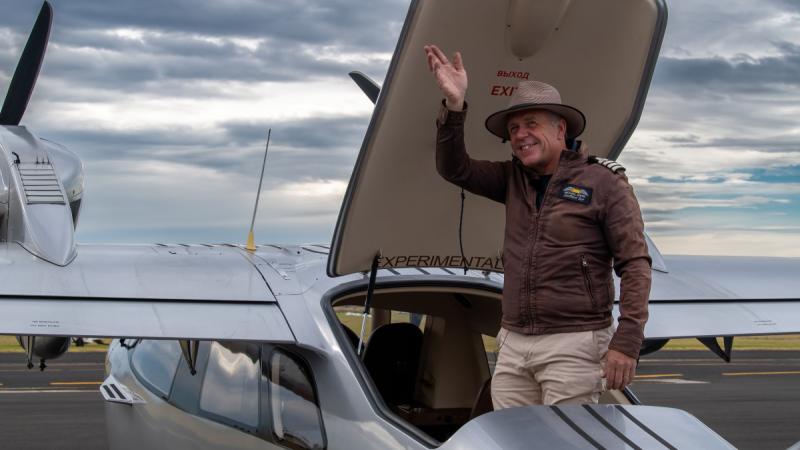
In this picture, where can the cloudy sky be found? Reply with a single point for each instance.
(168, 104)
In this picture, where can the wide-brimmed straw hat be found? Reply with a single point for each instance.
(537, 95)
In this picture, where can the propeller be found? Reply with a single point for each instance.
(24, 79)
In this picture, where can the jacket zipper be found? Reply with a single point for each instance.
(587, 280)
(529, 266)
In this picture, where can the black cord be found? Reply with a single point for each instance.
(125, 345)
(460, 233)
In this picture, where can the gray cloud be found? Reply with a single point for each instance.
(315, 132)
(788, 4)
(744, 74)
(778, 143)
(176, 58)
(706, 27)
(331, 21)
(767, 143)
(195, 41)
(321, 147)
(166, 70)
(681, 139)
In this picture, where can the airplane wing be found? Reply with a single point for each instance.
(724, 296)
(146, 291)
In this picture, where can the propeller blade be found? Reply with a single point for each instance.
(21, 87)
(366, 84)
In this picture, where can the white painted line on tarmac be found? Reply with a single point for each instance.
(45, 391)
(740, 360)
(740, 374)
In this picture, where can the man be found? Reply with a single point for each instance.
(568, 216)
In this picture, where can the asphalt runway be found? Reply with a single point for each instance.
(753, 402)
(60, 408)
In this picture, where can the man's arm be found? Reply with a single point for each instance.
(624, 231)
(485, 178)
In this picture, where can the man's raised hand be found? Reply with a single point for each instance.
(451, 76)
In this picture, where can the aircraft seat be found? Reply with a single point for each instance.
(392, 359)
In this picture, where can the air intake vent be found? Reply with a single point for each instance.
(40, 184)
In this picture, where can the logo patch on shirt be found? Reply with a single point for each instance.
(575, 193)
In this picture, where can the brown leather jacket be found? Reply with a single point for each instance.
(558, 259)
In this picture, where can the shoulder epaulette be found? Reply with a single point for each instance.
(609, 164)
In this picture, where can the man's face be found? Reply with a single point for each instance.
(537, 138)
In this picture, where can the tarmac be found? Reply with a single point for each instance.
(753, 402)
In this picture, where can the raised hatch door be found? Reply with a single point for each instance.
(600, 55)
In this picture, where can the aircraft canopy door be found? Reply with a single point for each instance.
(600, 55)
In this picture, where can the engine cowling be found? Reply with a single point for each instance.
(43, 348)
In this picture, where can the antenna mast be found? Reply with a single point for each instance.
(251, 245)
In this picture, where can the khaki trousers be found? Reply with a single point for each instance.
(550, 369)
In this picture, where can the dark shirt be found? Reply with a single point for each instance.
(540, 184)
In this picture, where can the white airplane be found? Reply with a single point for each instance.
(219, 346)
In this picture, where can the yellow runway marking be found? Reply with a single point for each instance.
(737, 374)
(660, 375)
(75, 383)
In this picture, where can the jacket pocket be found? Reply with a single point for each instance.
(587, 280)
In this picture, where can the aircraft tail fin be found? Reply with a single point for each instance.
(367, 85)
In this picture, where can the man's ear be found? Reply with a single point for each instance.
(562, 129)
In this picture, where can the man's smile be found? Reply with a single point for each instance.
(527, 147)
